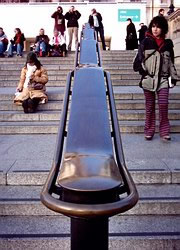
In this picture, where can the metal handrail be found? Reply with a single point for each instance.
(92, 176)
(90, 210)
(76, 64)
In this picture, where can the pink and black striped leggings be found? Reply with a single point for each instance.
(150, 123)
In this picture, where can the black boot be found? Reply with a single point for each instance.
(25, 106)
(31, 107)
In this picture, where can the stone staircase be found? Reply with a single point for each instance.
(129, 98)
(27, 147)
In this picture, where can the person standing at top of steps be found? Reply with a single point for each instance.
(161, 12)
(72, 16)
(95, 21)
(59, 20)
(31, 89)
(142, 32)
(131, 37)
(155, 62)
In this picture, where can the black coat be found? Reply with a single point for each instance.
(142, 32)
(41, 38)
(131, 38)
(99, 17)
(72, 18)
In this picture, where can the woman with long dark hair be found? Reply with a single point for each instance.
(17, 44)
(31, 89)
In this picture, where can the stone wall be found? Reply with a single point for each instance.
(174, 33)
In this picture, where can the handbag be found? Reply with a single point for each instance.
(37, 86)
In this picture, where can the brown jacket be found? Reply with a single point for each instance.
(40, 76)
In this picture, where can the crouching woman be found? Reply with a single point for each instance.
(31, 89)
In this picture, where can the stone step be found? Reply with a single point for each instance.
(54, 93)
(136, 115)
(49, 66)
(58, 71)
(37, 172)
(105, 59)
(57, 105)
(62, 83)
(63, 76)
(38, 116)
(69, 66)
(154, 200)
(125, 232)
(51, 83)
(120, 93)
(123, 115)
(27, 159)
(51, 105)
(51, 127)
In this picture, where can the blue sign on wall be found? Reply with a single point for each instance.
(134, 14)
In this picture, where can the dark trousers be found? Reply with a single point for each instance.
(101, 33)
(30, 105)
(164, 126)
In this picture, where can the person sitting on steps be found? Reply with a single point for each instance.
(31, 89)
(17, 43)
(58, 44)
(41, 44)
(3, 42)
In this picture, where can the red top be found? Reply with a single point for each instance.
(159, 41)
(18, 38)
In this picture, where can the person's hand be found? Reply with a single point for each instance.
(19, 90)
(32, 77)
(173, 81)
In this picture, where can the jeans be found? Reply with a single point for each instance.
(41, 46)
(18, 48)
(2, 48)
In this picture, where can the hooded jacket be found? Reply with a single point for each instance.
(155, 63)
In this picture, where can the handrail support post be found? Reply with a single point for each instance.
(89, 234)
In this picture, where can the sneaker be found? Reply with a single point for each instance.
(148, 137)
(166, 138)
